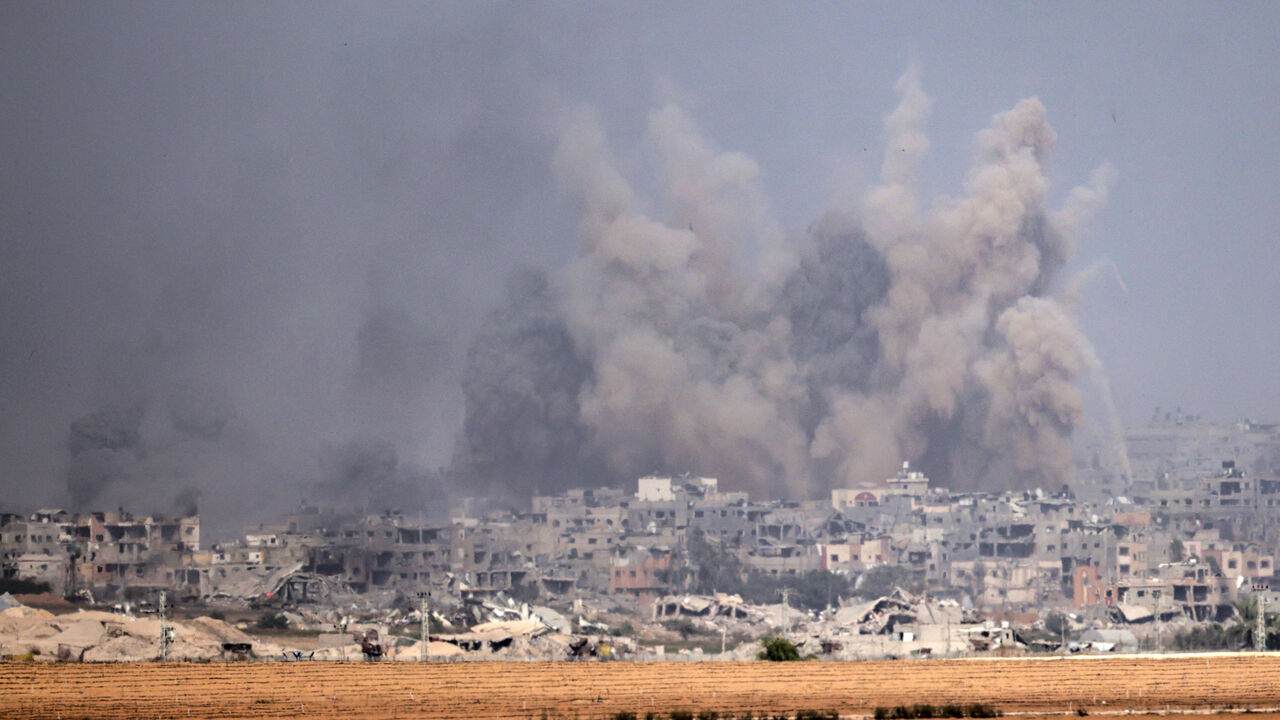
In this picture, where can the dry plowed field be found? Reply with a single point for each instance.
(598, 690)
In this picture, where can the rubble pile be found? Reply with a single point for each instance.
(100, 636)
(897, 625)
(97, 636)
(677, 627)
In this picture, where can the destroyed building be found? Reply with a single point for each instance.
(1171, 552)
(108, 553)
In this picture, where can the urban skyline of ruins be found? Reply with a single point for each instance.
(679, 359)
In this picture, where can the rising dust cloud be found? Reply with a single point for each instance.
(692, 332)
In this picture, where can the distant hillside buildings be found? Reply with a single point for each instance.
(1180, 539)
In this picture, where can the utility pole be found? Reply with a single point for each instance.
(164, 631)
(948, 634)
(782, 611)
(1260, 623)
(1159, 644)
(425, 651)
(73, 554)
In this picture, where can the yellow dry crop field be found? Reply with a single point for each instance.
(599, 690)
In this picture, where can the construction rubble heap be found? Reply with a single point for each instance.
(677, 627)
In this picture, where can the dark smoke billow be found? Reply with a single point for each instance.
(127, 455)
(523, 428)
(824, 300)
(367, 473)
(701, 337)
(103, 449)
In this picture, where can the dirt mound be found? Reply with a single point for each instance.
(413, 651)
(98, 615)
(46, 601)
(98, 636)
(218, 629)
(122, 649)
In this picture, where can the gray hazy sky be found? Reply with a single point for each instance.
(291, 217)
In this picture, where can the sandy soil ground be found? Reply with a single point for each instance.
(1102, 686)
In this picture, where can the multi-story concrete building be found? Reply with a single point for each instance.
(107, 553)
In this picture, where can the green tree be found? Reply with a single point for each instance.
(1205, 637)
(882, 579)
(813, 590)
(1057, 624)
(760, 588)
(273, 621)
(778, 649)
(1242, 633)
(683, 626)
(818, 589)
(979, 581)
(713, 568)
(1247, 610)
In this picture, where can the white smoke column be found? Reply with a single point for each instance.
(679, 380)
(717, 196)
(893, 208)
(1085, 200)
(956, 349)
(1033, 401)
(1098, 372)
(969, 271)
(1104, 266)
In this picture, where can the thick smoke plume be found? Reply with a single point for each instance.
(691, 333)
(523, 426)
(103, 448)
(142, 455)
(369, 474)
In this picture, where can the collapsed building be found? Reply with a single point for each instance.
(106, 554)
(1170, 554)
